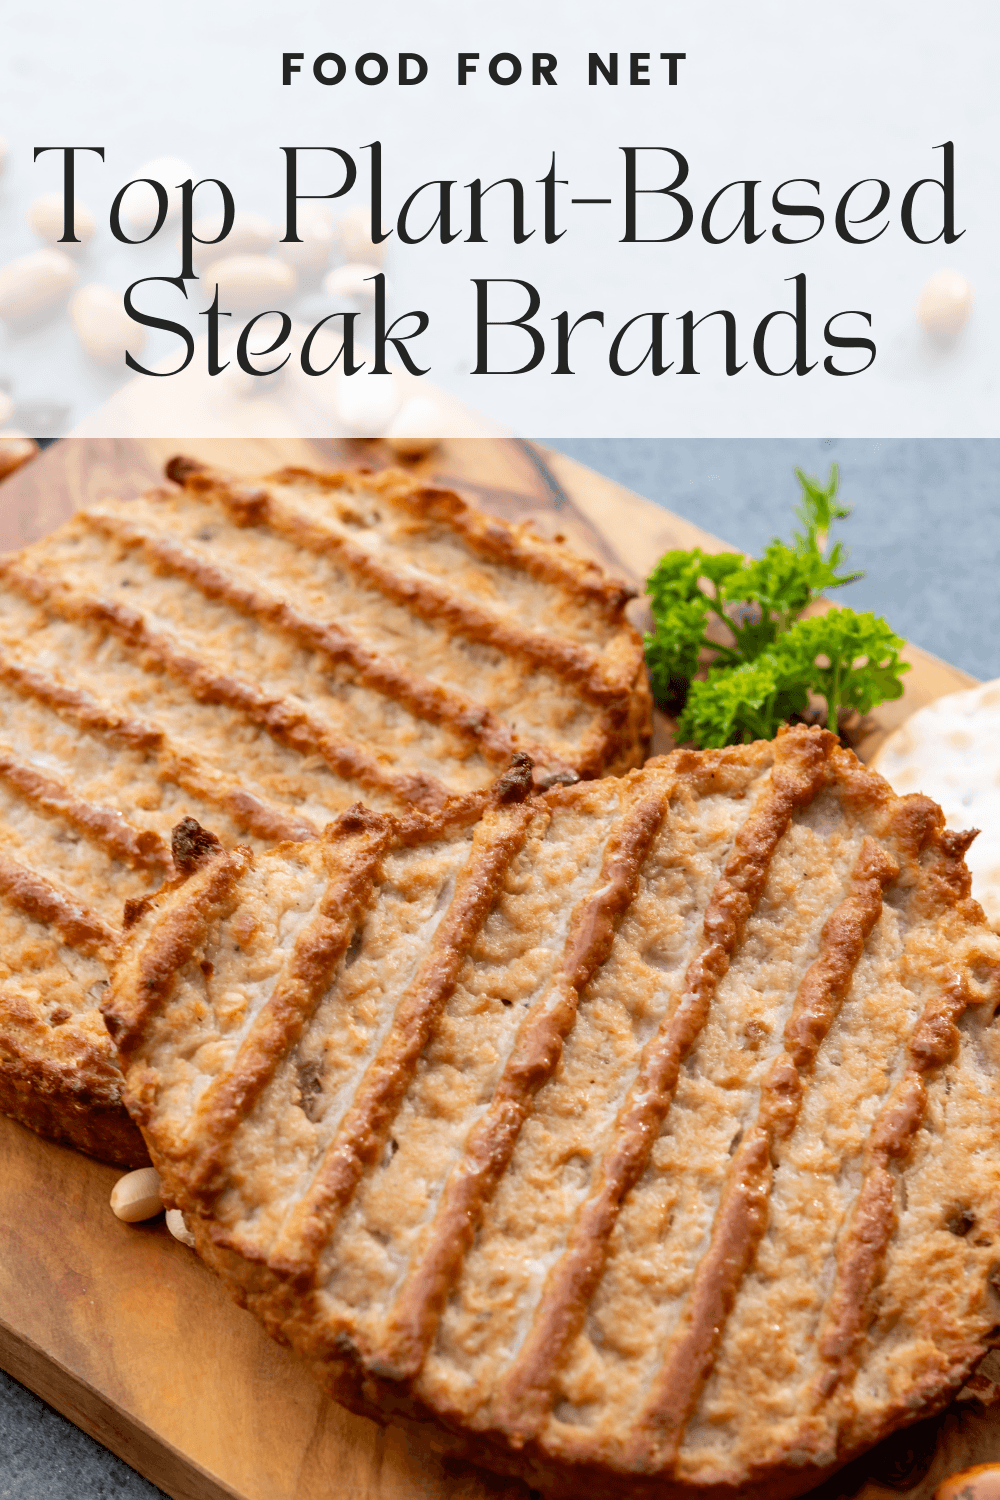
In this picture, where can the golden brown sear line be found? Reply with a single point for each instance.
(417, 593)
(260, 656)
(624, 1137)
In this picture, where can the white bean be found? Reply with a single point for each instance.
(137, 1196)
(416, 428)
(245, 386)
(103, 326)
(251, 234)
(364, 404)
(15, 450)
(945, 303)
(34, 282)
(317, 229)
(46, 218)
(979, 1483)
(178, 1228)
(352, 281)
(248, 283)
(356, 237)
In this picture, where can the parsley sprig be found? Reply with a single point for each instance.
(740, 617)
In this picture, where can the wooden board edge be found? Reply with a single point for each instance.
(137, 1445)
(650, 528)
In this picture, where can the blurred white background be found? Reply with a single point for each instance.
(774, 91)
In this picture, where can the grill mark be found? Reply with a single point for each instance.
(51, 906)
(495, 539)
(742, 1214)
(144, 983)
(360, 1138)
(483, 534)
(799, 771)
(140, 848)
(302, 1321)
(862, 1250)
(289, 725)
(269, 823)
(85, 711)
(425, 699)
(232, 1097)
(178, 767)
(535, 1055)
(427, 599)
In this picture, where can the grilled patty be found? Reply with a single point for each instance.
(644, 1136)
(259, 656)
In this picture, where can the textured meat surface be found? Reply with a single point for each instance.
(645, 1136)
(260, 657)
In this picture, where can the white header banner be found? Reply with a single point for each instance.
(558, 220)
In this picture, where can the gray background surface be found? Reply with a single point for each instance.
(926, 528)
(926, 523)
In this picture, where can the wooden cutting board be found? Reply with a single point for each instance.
(122, 1329)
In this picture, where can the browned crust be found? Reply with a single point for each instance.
(862, 1248)
(620, 736)
(515, 546)
(285, 723)
(489, 536)
(800, 770)
(151, 971)
(617, 684)
(106, 826)
(743, 1208)
(182, 768)
(362, 1133)
(429, 600)
(425, 699)
(915, 826)
(533, 1059)
(47, 904)
(245, 808)
(79, 707)
(48, 1099)
(59, 1078)
(360, 838)
(914, 832)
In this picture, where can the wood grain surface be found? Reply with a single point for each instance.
(122, 1329)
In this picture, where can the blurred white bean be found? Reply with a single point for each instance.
(15, 450)
(242, 383)
(246, 283)
(364, 404)
(251, 234)
(318, 232)
(103, 326)
(416, 428)
(46, 218)
(944, 304)
(35, 282)
(353, 281)
(356, 237)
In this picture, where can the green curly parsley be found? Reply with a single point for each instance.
(768, 663)
(850, 660)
